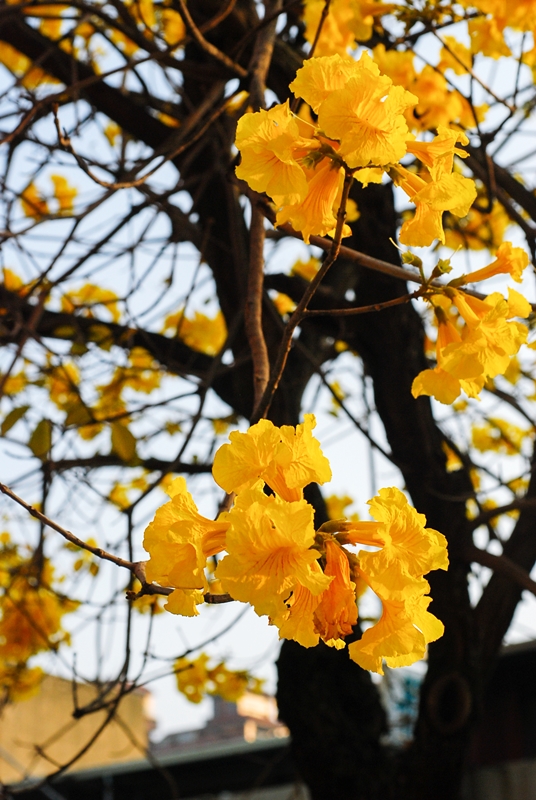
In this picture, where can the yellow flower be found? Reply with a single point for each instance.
(477, 231)
(409, 549)
(204, 334)
(483, 351)
(399, 638)
(284, 304)
(20, 65)
(365, 12)
(397, 64)
(196, 680)
(174, 30)
(337, 505)
(228, 684)
(316, 213)
(88, 296)
(487, 39)
(31, 614)
(286, 458)
(269, 545)
(192, 677)
(33, 204)
(336, 35)
(184, 602)
(510, 261)
(347, 21)
(179, 541)
(306, 269)
(450, 193)
(319, 77)
(450, 58)
(19, 682)
(268, 141)
(357, 106)
(336, 613)
(64, 193)
(438, 155)
(297, 622)
(439, 191)
(437, 105)
(499, 436)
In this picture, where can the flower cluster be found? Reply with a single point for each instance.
(196, 679)
(306, 581)
(361, 128)
(31, 615)
(482, 348)
(348, 21)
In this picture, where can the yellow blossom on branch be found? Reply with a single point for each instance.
(434, 192)
(348, 21)
(200, 332)
(357, 106)
(306, 582)
(482, 350)
(269, 142)
(499, 436)
(269, 545)
(510, 261)
(400, 637)
(478, 230)
(285, 458)
(301, 164)
(179, 541)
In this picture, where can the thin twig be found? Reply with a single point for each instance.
(258, 67)
(298, 314)
(490, 513)
(323, 17)
(253, 307)
(209, 48)
(347, 312)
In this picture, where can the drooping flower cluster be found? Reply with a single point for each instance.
(307, 582)
(483, 347)
(361, 128)
(438, 190)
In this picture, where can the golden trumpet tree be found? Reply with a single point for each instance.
(222, 224)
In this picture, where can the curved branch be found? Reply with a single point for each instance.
(504, 566)
(173, 354)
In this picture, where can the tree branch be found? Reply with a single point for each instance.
(504, 566)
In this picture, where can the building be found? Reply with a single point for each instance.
(503, 753)
(243, 753)
(41, 732)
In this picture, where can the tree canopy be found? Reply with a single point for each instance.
(220, 219)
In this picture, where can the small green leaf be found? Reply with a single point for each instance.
(123, 442)
(13, 417)
(41, 439)
(78, 414)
